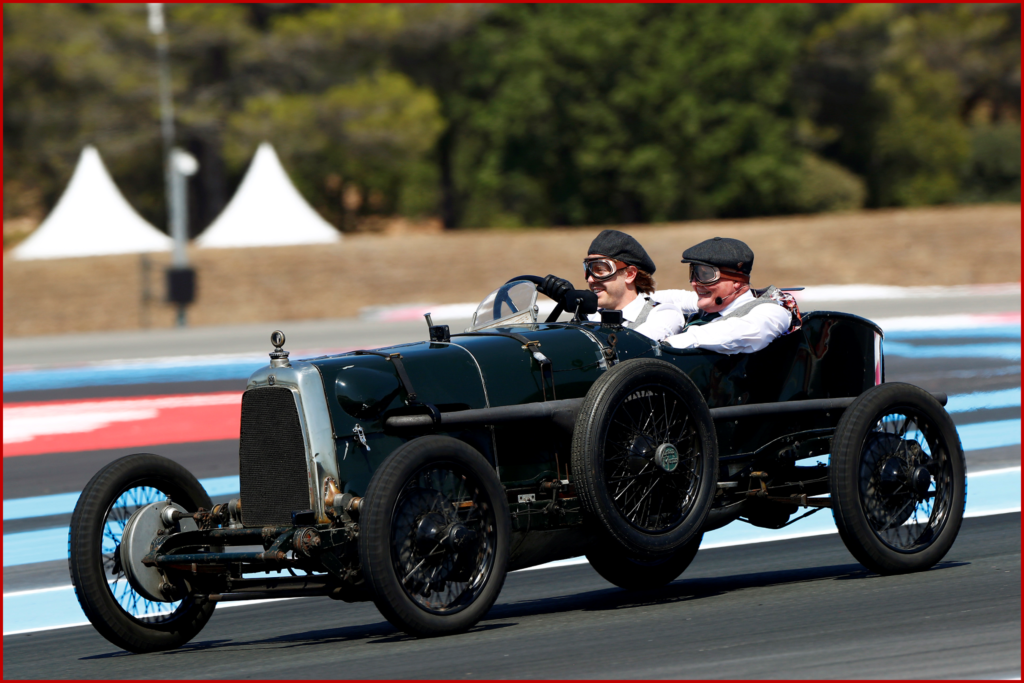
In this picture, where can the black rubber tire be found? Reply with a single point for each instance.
(850, 483)
(85, 557)
(636, 575)
(602, 403)
(379, 558)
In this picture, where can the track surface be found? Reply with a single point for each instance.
(787, 609)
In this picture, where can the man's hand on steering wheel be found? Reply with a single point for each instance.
(559, 290)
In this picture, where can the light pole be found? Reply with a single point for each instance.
(178, 164)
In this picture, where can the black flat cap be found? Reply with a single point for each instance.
(622, 247)
(722, 252)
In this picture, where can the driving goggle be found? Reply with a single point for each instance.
(709, 275)
(602, 269)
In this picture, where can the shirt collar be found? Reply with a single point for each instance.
(632, 309)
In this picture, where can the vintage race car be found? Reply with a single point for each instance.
(417, 475)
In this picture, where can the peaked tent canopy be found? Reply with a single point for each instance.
(92, 218)
(267, 210)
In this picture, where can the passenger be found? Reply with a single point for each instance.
(722, 313)
(619, 271)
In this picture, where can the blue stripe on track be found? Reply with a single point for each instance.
(904, 350)
(64, 503)
(101, 375)
(28, 547)
(984, 400)
(1007, 331)
(981, 435)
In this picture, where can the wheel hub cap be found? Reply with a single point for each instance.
(458, 536)
(920, 479)
(891, 477)
(666, 457)
(641, 451)
(429, 532)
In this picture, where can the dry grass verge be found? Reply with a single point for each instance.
(932, 246)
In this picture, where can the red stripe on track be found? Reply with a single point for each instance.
(72, 426)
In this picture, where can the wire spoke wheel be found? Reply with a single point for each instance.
(134, 605)
(434, 536)
(443, 539)
(898, 479)
(645, 458)
(906, 481)
(116, 609)
(648, 496)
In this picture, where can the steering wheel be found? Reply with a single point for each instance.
(586, 301)
(503, 298)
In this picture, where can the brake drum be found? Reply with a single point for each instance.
(136, 541)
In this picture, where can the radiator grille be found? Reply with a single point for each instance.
(271, 458)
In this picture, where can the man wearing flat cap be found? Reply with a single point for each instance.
(722, 312)
(619, 271)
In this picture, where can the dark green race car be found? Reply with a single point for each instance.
(417, 475)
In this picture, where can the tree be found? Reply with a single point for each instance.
(576, 114)
(900, 94)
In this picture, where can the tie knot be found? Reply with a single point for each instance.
(701, 317)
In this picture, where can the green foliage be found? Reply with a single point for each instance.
(373, 130)
(619, 113)
(890, 88)
(993, 170)
(826, 186)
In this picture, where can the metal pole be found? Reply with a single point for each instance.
(179, 206)
(156, 27)
(175, 185)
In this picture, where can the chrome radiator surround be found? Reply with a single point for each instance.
(307, 388)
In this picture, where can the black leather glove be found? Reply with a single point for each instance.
(556, 288)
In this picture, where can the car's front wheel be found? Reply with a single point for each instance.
(434, 536)
(121, 614)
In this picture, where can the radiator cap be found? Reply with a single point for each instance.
(278, 357)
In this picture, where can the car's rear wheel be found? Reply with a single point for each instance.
(119, 612)
(645, 457)
(898, 479)
(641, 574)
(434, 536)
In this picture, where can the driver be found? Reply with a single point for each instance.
(619, 271)
(722, 313)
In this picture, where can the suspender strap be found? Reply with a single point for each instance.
(644, 312)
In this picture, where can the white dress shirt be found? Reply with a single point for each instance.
(744, 334)
(664, 320)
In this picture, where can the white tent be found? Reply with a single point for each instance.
(92, 218)
(266, 211)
